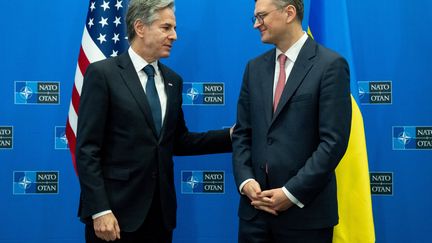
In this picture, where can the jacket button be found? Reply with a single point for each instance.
(269, 141)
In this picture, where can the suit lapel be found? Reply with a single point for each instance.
(130, 77)
(267, 85)
(169, 90)
(300, 69)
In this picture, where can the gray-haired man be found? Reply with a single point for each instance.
(130, 125)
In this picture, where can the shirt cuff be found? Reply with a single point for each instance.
(101, 214)
(243, 184)
(292, 198)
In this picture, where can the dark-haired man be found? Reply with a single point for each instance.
(293, 124)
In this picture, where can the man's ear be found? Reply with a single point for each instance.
(140, 28)
(291, 13)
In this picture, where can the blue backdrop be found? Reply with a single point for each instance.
(39, 45)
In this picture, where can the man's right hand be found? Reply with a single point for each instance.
(251, 189)
(106, 227)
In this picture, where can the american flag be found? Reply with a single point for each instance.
(104, 36)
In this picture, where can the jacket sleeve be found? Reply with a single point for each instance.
(93, 110)
(241, 138)
(198, 143)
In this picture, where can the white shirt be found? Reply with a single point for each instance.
(292, 54)
(139, 63)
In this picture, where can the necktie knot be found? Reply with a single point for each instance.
(282, 59)
(149, 70)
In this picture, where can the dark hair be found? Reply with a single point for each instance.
(298, 4)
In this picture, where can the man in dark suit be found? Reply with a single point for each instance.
(130, 125)
(293, 124)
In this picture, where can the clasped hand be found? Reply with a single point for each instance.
(271, 201)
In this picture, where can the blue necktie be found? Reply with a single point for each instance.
(153, 97)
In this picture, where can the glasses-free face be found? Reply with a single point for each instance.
(158, 37)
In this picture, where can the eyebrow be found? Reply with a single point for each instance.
(167, 24)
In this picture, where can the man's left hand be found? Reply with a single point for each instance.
(232, 130)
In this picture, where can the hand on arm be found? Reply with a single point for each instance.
(232, 130)
(106, 227)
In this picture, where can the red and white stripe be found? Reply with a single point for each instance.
(89, 52)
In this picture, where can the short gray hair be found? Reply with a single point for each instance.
(146, 11)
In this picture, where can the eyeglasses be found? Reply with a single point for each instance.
(260, 16)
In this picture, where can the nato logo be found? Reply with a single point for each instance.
(35, 182)
(6, 137)
(412, 138)
(375, 92)
(37, 92)
(203, 94)
(60, 138)
(202, 182)
(381, 183)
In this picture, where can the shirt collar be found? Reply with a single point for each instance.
(293, 52)
(139, 63)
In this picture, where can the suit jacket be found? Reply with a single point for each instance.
(303, 141)
(120, 159)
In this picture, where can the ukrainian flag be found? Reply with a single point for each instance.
(329, 25)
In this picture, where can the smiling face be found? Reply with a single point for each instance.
(155, 41)
(273, 21)
(277, 24)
